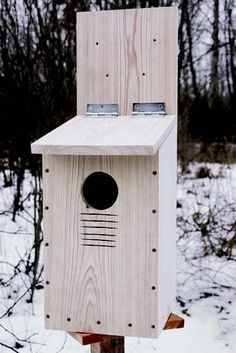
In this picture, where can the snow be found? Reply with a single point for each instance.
(206, 283)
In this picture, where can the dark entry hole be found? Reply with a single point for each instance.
(100, 190)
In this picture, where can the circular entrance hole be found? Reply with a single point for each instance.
(100, 190)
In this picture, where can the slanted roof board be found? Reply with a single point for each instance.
(123, 135)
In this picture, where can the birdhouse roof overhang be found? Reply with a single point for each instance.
(123, 135)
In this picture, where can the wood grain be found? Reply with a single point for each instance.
(108, 136)
(104, 290)
(127, 56)
(174, 321)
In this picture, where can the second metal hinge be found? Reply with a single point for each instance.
(141, 109)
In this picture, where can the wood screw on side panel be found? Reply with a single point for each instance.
(48, 316)
(46, 170)
(46, 208)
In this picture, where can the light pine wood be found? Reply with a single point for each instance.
(136, 48)
(107, 136)
(101, 289)
(167, 227)
(174, 321)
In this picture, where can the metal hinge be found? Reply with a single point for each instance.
(158, 109)
(102, 110)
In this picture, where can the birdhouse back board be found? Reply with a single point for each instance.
(127, 56)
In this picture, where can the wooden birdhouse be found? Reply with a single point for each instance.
(109, 178)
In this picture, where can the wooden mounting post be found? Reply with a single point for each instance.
(112, 346)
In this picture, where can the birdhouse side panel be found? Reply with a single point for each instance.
(167, 167)
(101, 272)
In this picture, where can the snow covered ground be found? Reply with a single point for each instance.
(206, 272)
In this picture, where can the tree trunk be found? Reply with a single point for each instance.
(214, 84)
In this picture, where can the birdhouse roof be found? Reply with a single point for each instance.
(123, 135)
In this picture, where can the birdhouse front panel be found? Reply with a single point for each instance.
(101, 244)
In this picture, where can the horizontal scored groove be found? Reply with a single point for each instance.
(92, 239)
(100, 234)
(98, 227)
(100, 245)
(99, 220)
(98, 214)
